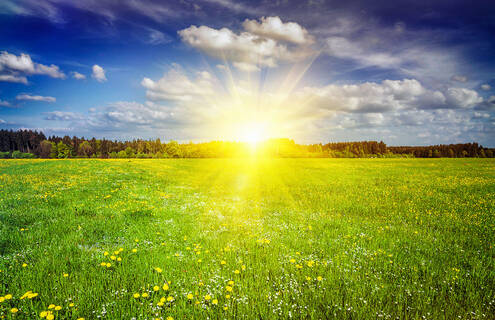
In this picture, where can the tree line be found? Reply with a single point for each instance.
(34, 144)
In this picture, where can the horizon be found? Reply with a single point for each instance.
(315, 71)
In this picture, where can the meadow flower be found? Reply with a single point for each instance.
(113, 257)
(223, 262)
(214, 301)
(71, 304)
(165, 287)
(51, 306)
(145, 295)
(227, 296)
(103, 264)
(66, 275)
(225, 308)
(105, 253)
(159, 270)
(14, 310)
(319, 278)
(228, 288)
(170, 318)
(207, 297)
(156, 288)
(80, 318)
(136, 295)
(292, 260)
(236, 271)
(109, 264)
(190, 296)
(57, 308)
(24, 265)
(170, 298)
(230, 283)
(134, 250)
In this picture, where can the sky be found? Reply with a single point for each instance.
(405, 72)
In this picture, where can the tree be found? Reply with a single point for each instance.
(64, 151)
(85, 149)
(45, 149)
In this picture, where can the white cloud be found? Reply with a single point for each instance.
(2, 121)
(459, 78)
(157, 37)
(62, 116)
(15, 68)
(99, 73)
(78, 76)
(462, 98)
(177, 86)
(247, 50)
(274, 28)
(35, 98)
(4, 103)
(486, 87)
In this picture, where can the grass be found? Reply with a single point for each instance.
(299, 238)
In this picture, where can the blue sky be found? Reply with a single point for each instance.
(406, 72)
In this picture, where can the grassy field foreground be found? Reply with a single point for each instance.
(225, 238)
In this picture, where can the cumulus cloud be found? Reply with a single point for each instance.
(35, 98)
(176, 85)
(62, 116)
(459, 78)
(99, 73)
(261, 45)
(486, 87)
(274, 28)
(15, 68)
(78, 76)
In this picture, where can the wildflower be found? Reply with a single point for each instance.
(66, 275)
(292, 260)
(214, 301)
(236, 271)
(230, 283)
(225, 308)
(159, 270)
(243, 267)
(80, 318)
(134, 250)
(170, 298)
(190, 296)
(165, 287)
(156, 288)
(160, 303)
(24, 265)
(310, 263)
(2, 299)
(119, 259)
(227, 296)
(109, 264)
(144, 295)
(319, 278)
(14, 310)
(43, 314)
(71, 304)
(51, 306)
(103, 264)
(50, 316)
(223, 262)
(105, 253)
(207, 297)
(308, 278)
(298, 266)
(136, 295)
(228, 288)
(113, 257)
(170, 318)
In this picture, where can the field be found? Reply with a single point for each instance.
(252, 239)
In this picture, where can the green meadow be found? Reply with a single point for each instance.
(247, 239)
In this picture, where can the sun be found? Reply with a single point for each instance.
(253, 132)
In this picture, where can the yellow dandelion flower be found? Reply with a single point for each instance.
(105, 253)
(236, 271)
(71, 304)
(43, 314)
(50, 316)
(170, 298)
(170, 318)
(80, 318)
(136, 295)
(190, 296)
(225, 308)
(160, 303)
(228, 288)
(207, 297)
(24, 265)
(223, 262)
(292, 260)
(66, 275)
(319, 278)
(134, 250)
(119, 259)
(51, 306)
(57, 308)
(243, 267)
(109, 265)
(113, 257)
(165, 287)
(159, 270)
(230, 283)
(2, 299)
(227, 296)
(145, 295)
(214, 301)
(103, 264)
(156, 288)
(14, 310)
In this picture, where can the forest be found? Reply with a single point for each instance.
(34, 144)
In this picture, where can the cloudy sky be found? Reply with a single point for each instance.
(405, 72)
